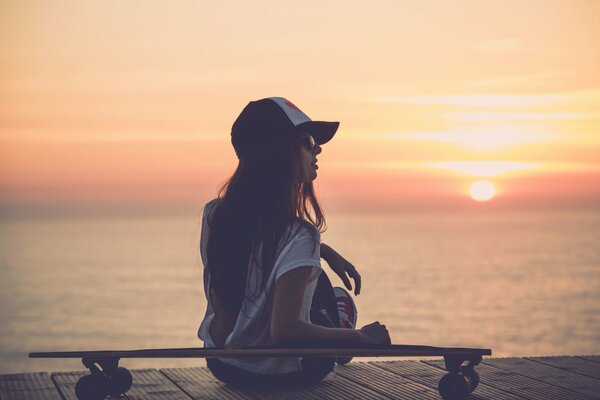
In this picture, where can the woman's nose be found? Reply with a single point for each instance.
(317, 149)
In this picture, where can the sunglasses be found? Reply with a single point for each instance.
(308, 142)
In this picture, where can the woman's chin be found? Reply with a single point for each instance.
(309, 174)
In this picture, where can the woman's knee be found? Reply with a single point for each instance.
(324, 307)
(315, 369)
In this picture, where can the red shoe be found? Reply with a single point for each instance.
(347, 313)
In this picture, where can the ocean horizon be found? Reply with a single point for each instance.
(520, 283)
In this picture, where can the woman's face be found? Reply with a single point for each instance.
(308, 157)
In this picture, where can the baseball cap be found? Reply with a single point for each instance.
(261, 121)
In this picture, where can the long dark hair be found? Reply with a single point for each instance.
(256, 206)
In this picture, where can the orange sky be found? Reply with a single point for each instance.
(105, 104)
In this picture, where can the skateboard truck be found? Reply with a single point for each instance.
(461, 379)
(106, 378)
(98, 366)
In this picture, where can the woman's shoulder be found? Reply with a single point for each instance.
(304, 229)
(212, 203)
(209, 208)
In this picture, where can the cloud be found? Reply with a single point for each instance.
(481, 100)
(484, 168)
(490, 116)
(482, 138)
(473, 168)
(491, 168)
(496, 45)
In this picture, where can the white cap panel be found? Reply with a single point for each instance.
(294, 113)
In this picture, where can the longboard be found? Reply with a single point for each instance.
(107, 378)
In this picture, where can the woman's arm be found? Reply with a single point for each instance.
(286, 326)
(326, 251)
(342, 267)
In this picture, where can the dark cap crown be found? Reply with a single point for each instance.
(259, 124)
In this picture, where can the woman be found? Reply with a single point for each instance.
(261, 250)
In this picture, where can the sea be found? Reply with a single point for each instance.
(520, 283)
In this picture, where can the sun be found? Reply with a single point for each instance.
(482, 191)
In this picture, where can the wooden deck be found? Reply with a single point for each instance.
(564, 377)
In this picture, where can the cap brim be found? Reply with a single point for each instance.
(322, 131)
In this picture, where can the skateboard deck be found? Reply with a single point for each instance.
(396, 350)
(107, 378)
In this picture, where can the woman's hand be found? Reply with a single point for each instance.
(342, 267)
(375, 334)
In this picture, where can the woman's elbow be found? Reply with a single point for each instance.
(284, 333)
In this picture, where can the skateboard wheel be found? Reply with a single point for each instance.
(473, 378)
(91, 387)
(453, 386)
(119, 382)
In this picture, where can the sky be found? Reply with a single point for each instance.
(118, 105)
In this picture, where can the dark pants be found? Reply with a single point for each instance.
(323, 312)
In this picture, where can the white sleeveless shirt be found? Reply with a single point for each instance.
(253, 325)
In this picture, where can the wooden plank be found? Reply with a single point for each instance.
(30, 386)
(520, 385)
(301, 393)
(65, 382)
(200, 384)
(429, 375)
(148, 384)
(548, 374)
(572, 364)
(386, 382)
(595, 359)
(336, 387)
